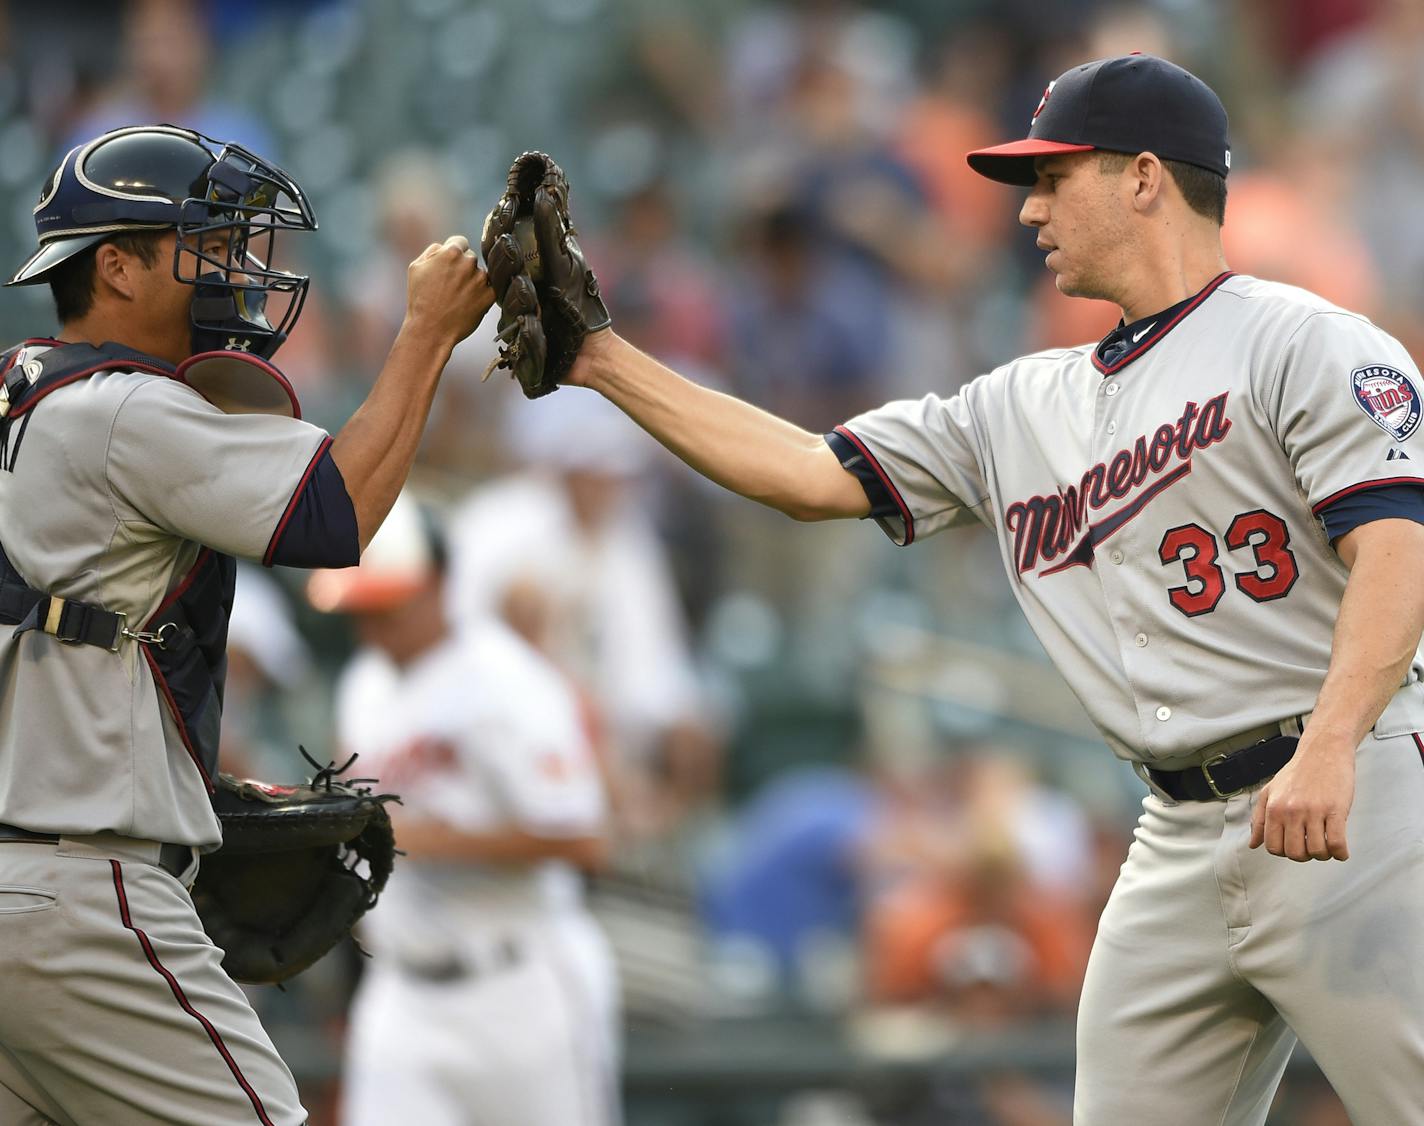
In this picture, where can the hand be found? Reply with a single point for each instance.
(447, 294)
(1301, 812)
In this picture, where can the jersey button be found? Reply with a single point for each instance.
(1164, 713)
(1111, 389)
(1112, 427)
(1117, 557)
(1141, 640)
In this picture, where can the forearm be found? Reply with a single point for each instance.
(1377, 630)
(739, 446)
(505, 846)
(377, 446)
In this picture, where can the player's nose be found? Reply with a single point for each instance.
(1034, 212)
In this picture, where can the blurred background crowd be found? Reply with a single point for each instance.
(859, 831)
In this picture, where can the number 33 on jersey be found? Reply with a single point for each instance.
(1167, 512)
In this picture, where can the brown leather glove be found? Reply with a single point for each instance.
(530, 238)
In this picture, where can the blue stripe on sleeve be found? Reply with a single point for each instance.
(881, 502)
(1388, 502)
(320, 528)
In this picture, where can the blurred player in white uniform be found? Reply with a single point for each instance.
(491, 997)
(566, 552)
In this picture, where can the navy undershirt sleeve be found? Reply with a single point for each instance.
(856, 463)
(1388, 502)
(320, 526)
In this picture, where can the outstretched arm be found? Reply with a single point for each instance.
(733, 443)
(1301, 812)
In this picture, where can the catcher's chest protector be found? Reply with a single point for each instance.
(188, 657)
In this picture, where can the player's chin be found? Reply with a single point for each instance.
(1071, 284)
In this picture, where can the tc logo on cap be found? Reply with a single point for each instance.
(1043, 101)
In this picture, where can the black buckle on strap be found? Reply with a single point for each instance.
(78, 623)
(1225, 776)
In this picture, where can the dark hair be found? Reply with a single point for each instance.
(72, 282)
(1203, 189)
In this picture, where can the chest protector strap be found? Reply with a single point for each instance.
(185, 641)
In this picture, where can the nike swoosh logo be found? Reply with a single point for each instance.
(1136, 336)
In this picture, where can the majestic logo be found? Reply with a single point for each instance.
(1049, 528)
(1389, 398)
(1043, 101)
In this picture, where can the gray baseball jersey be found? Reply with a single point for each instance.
(107, 499)
(1160, 515)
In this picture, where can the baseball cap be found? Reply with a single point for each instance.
(1131, 104)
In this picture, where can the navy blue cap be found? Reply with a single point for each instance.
(1131, 104)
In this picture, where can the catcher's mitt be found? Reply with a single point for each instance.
(548, 297)
(298, 866)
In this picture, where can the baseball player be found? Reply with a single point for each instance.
(141, 450)
(1212, 519)
(491, 996)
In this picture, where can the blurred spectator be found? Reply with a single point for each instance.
(565, 552)
(789, 891)
(491, 997)
(981, 873)
(1362, 103)
(810, 335)
(416, 205)
(163, 76)
(953, 114)
(667, 293)
(1269, 206)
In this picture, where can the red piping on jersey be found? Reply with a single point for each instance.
(178, 591)
(884, 480)
(1418, 742)
(158, 678)
(1380, 484)
(177, 717)
(292, 504)
(213, 1034)
(85, 373)
(181, 374)
(1127, 358)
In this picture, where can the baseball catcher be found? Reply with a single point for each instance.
(548, 297)
(299, 865)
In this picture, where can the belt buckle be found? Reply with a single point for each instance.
(121, 632)
(1205, 768)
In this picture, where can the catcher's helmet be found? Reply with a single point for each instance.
(155, 177)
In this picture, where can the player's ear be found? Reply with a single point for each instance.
(114, 270)
(1147, 180)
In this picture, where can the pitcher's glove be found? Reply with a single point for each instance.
(548, 297)
(297, 867)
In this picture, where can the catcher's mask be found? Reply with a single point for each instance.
(157, 177)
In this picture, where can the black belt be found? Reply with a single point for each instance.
(173, 859)
(456, 967)
(1221, 777)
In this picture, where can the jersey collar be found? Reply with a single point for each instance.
(1126, 342)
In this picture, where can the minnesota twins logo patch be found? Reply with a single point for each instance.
(1388, 396)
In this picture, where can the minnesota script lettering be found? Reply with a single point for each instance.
(1046, 528)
